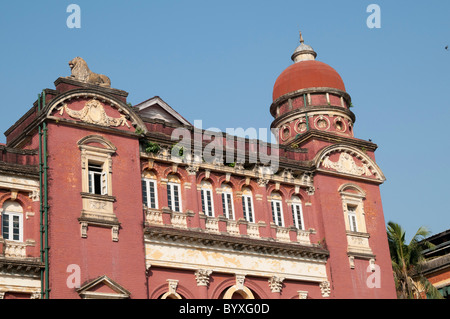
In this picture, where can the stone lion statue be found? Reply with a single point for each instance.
(82, 73)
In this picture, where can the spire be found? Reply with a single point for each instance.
(303, 52)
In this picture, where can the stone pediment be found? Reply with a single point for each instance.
(90, 107)
(94, 112)
(350, 161)
(103, 288)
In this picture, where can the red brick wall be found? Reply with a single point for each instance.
(347, 282)
(97, 255)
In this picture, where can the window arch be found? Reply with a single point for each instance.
(247, 204)
(206, 190)
(168, 295)
(12, 221)
(297, 212)
(174, 192)
(235, 292)
(277, 208)
(227, 201)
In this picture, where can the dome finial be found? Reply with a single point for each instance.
(303, 52)
(301, 37)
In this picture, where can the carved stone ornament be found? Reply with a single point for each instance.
(302, 294)
(202, 277)
(172, 284)
(346, 164)
(192, 169)
(311, 190)
(240, 279)
(262, 182)
(34, 195)
(325, 288)
(94, 113)
(115, 233)
(84, 227)
(81, 72)
(276, 283)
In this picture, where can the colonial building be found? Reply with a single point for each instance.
(99, 200)
(436, 267)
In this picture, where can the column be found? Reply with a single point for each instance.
(276, 285)
(192, 200)
(202, 277)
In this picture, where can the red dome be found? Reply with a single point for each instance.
(307, 74)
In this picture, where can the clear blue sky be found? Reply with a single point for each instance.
(217, 62)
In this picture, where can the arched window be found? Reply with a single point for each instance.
(227, 201)
(297, 213)
(247, 204)
(173, 193)
(12, 221)
(277, 209)
(149, 190)
(207, 198)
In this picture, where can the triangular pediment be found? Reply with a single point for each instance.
(103, 288)
(156, 108)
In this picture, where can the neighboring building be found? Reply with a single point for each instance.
(437, 266)
(94, 205)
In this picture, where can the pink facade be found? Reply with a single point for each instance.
(129, 221)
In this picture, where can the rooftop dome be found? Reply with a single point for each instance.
(306, 72)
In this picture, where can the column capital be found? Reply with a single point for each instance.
(202, 276)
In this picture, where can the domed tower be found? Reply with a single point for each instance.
(310, 95)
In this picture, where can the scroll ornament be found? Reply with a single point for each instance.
(94, 113)
(346, 164)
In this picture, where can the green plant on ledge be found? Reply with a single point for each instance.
(152, 147)
(139, 131)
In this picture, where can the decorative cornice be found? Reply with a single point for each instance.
(23, 266)
(89, 86)
(333, 138)
(237, 243)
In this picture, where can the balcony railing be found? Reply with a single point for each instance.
(15, 249)
(169, 218)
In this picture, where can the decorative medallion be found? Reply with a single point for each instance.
(93, 112)
(300, 125)
(339, 124)
(285, 132)
(322, 123)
